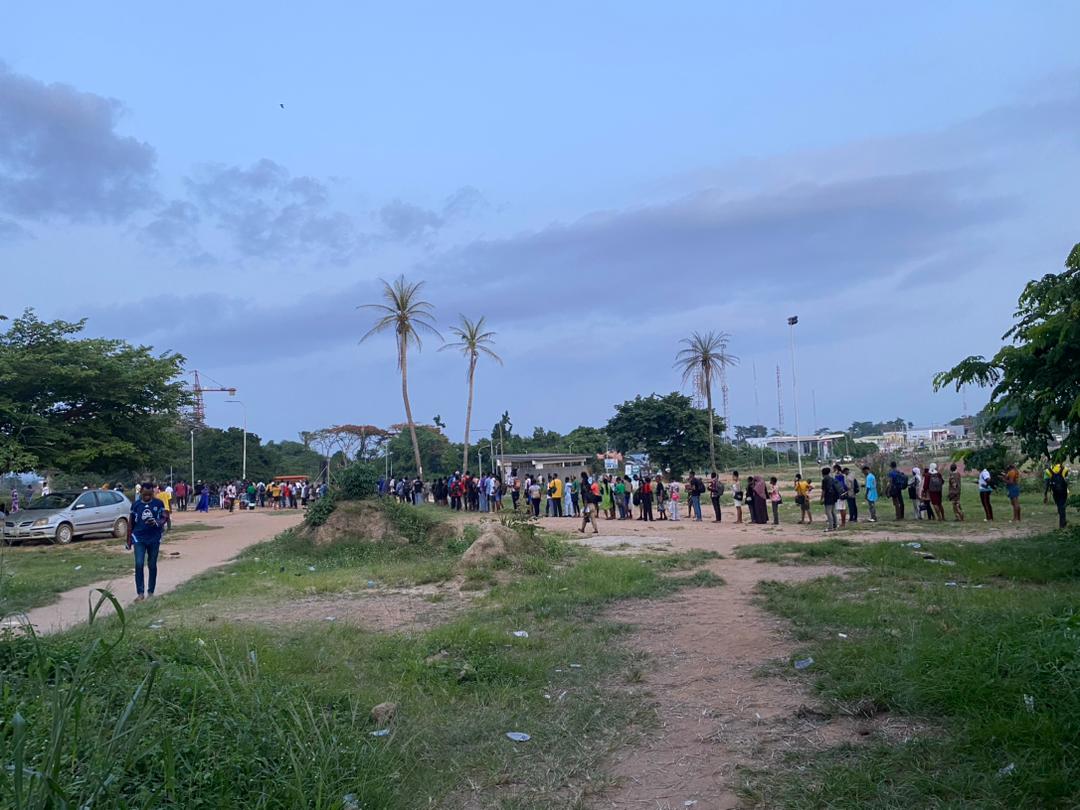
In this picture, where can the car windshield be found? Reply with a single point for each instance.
(54, 500)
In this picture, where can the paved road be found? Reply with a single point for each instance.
(199, 551)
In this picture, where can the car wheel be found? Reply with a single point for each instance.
(64, 533)
(120, 528)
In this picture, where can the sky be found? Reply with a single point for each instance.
(231, 182)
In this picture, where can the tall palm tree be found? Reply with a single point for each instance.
(705, 357)
(405, 314)
(472, 341)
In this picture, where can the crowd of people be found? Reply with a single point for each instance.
(755, 499)
(231, 495)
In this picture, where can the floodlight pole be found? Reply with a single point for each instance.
(794, 319)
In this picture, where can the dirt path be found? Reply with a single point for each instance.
(199, 551)
(717, 712)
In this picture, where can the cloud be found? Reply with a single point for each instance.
(11, 231)
(175, 229)
(61, 157)
(809, 238)
(268, 213)
(410, 223)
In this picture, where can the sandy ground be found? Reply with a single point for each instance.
(198, 551)
(718, 713)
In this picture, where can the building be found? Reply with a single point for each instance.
(547, 465)
(823, 446)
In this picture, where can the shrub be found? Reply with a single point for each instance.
(357, 482)
(320, 511)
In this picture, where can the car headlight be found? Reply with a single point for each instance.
(40, 522)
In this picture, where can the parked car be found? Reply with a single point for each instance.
(63, 516)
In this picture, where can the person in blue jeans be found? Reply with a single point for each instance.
(145, 525)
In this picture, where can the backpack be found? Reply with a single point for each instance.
(937, 483)
(912, 491)
(699, 487)
(901, 482)
(1058, 485)
(720, 489)
(855, 486)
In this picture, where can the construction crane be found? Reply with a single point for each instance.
(198, 390)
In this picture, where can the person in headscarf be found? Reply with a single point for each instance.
(204, 499)
(761, 500)
(915, 490)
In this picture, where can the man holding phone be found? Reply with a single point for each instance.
(145, 526)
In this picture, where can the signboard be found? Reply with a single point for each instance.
(611, 464)
(538, 466)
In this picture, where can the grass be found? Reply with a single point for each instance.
(957, 648)
(277, 716)
(32, 576)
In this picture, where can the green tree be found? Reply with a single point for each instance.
(472, 341)
(744, 432)
(406, 315)
(437, 455)
(1035, 378)
(705, 358)
(673, 433)
(91, 404)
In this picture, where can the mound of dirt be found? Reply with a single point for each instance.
(356, 519)
(494, 543)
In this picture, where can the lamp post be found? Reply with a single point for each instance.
(794, 319)
(243, 473)
(192, 457)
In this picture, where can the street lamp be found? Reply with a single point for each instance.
(794, 319)
(243, 474)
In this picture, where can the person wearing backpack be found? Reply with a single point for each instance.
(590, 494)
(716, 490)
(842, 494)
(830, 494)
(697, 489)
(954, 493)
(737, 495)
(1057, 484)
(898, 484)
(852, 492)
(660, 493)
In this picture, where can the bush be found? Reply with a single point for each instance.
(357, 482)
(320, 511)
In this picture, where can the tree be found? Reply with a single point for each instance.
(359, 442)
(472, 341)
(88, 404)
(705, 357)
(744, 432)
(1035, 377)
(406, 315)
(673, 433)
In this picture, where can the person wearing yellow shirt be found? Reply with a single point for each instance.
(555, 492)
(802, 498)
(166, 501)
(275, 495)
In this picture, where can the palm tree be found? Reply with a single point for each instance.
(404, 313)
(472, 340)
(705, 356)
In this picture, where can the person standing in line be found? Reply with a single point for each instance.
(145, 525)
(204, 499)
(935, 484)
(646, 499)
(1012, 487)
(954, 494)
(181, 493)
(897, 486)
(569, 487)
(555, 493)
(852, 482)
(660, 494)
(1057, 484)
(775, 500)
(802, 499)
(697, 489)
(737, 495)
(590, 499)
(842, 494)
(870, 483)
(985, 488)
(915, 492)
(830, 494)
(482, 493)
(716, 490)
(761, 498)
(534, 497)
(674, 494)
(607, 501)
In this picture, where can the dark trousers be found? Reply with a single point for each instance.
(535, 506)
(514, 495)
(646, 507)
(988, 508)
(1060, 504)
(853, 510)
(898, 505)
(716, 507)
(146, 554)
(556, 506)
(775, 513)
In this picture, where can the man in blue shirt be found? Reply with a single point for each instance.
(144, 532)
(871, 492)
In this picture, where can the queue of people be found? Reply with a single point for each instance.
(202, 496)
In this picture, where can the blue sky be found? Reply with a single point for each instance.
(597, 179)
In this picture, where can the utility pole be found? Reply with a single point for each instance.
(193, 457)
(794, 319)
(757, 412)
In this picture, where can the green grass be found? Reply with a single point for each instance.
(954, 647)
(277, 716)
(32, 576)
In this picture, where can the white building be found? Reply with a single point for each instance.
(823, 446)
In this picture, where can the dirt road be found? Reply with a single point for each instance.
(199, 551)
